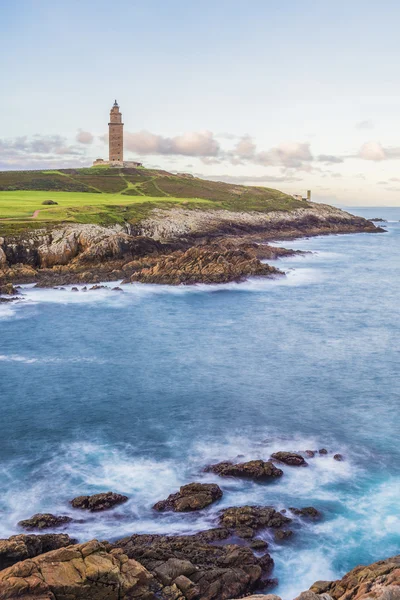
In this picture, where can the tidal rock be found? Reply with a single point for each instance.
(248, 520)
(338, 457)
(7, 289)
(307, 511)
(82, 572)
(282, 534)
(254, 469)
(210, 572)
(74, 289)
(323, 451)
(310, 453)
(193, 496)
(44, 521)
(258, 544)
(21, 547)
(290, 458)
(378, 581)
(99, 502)
(210, 264)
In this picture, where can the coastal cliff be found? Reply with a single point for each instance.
(173, 246)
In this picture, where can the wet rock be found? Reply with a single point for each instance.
(218, 572)
(193, 496)
(250, 519)
(258, 544)
(98, 287)
(290, 458)
(254, 469)
(338, 457)
(82, 572)
(199, 264)
(44, 521)
(74, 289)
(282, 534)
(378, 581)
(98, 502)
(117, 289)
(307, 511)
(323, 451)
(310, 453)
(21, 547)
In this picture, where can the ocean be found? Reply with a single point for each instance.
(137, 391)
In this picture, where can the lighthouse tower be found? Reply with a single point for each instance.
(116, 136)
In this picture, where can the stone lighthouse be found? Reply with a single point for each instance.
(115, 136)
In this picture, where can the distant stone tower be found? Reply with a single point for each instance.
(116, 135)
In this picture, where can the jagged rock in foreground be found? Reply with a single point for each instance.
(98, 502)
(200, 570)
(82, 572)
(204, 265)
(258, 470)
(21, 547)
(193, 496)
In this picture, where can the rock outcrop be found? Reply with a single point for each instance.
(44, 521)
(258, 470)
(200, 571)
(83, 572)
(245, 521)
(290, 458)
(204, 265)
(379, 581)
(21, 547)
(98, 502)
(193, 496)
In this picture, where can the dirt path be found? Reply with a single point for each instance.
(35, 214)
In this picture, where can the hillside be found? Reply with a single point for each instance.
(107, 196)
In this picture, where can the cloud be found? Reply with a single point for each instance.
(364, 125)
(330, 158)
(84, 137)
(293, 154)
(245, 147)
(195, 143)
(38, 144)
(376, 152)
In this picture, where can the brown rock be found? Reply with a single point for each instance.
(323, 451)
(338, 457)
(82, 572)
(282, 534)
(307, 511)
(310, 453)
(257, 470)
(250, 519)
(290, 458)
(219, 572)
(378, 581)
(193, 496)
(99, 502)
(21, 547)
(44, 521)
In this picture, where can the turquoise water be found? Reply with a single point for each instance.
(137, 391)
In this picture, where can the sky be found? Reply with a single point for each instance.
(290, 94)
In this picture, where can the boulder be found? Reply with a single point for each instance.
(323, 451)
(378, 581)
(7, 289)
(44, 521)
(198, 569)
(282, 534)
(290, 458)
(193, 496)
(258, 470)
(338, 457)
(245, 521)
(21, 547)
(98, 502)
(81, 572)
(49, 203)
(310, 453)
(307, 511)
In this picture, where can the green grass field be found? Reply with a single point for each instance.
(106, 196)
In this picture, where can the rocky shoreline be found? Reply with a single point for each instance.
(228, 561)
(170, 247)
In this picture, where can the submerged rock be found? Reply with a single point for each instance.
(21, 547)
(338, 457)
(283, 534)
(44, 521)
(82, 572)
(323, 451)
(307, 511)
(98, 502)
(199, 570)
(290, 458)
(254, 469)
(193, 496)
(245, 521)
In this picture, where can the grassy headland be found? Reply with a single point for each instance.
(105, 196)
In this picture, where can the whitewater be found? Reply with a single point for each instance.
(136, 391)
